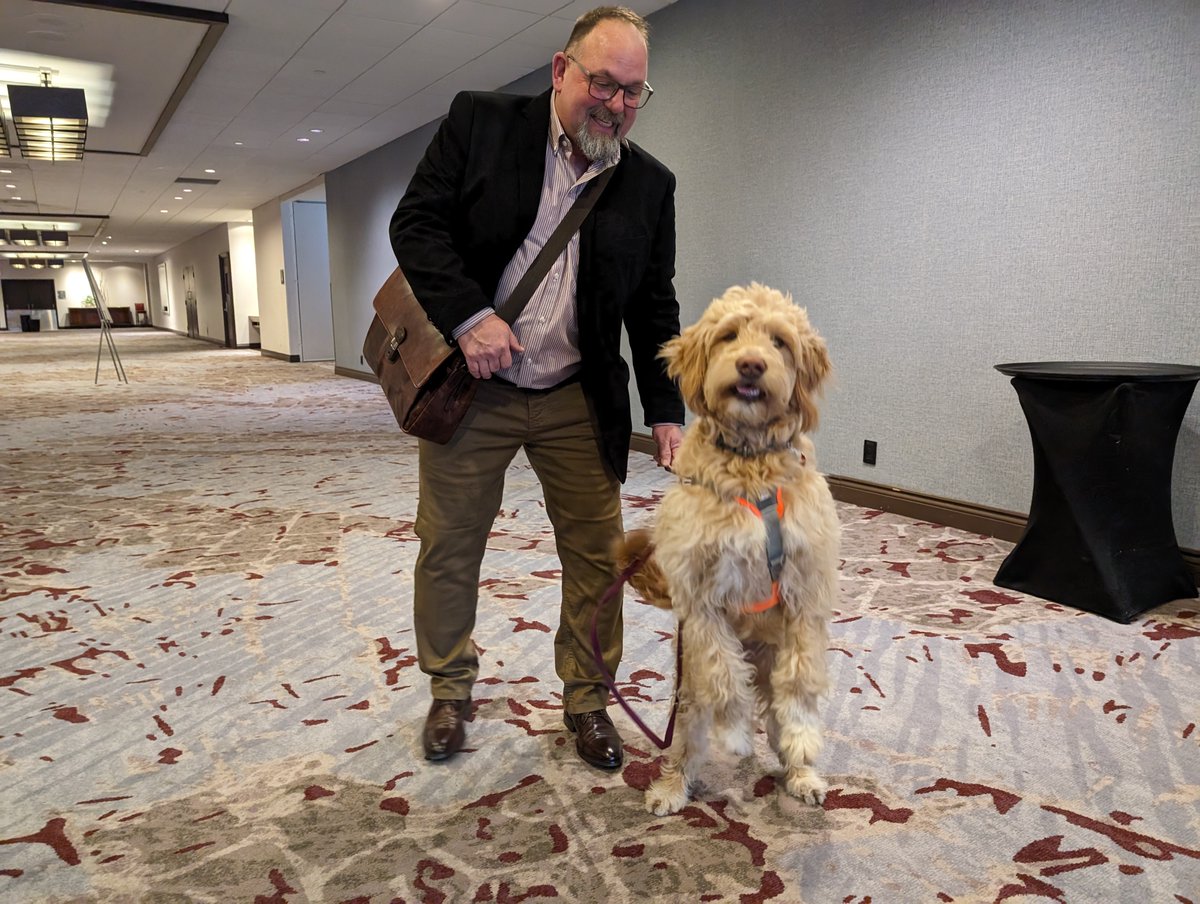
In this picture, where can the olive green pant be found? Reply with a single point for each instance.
(461, 486)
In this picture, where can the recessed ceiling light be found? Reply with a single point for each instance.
(108, 236)
(104, 243)
(16, 197)
(210, 171)
(179, 197)
(304, 139)
(10, 186)
(239, 143)
(6, 172)
(316, 131)
(164, 210)
(137, 250)
(187, 189)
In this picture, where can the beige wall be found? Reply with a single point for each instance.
(272, 294)
(245, 279)
(202, 254)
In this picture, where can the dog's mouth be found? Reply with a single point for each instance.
(747, 391)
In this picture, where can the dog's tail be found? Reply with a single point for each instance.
(649, 581)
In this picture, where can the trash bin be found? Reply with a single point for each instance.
(25, 323)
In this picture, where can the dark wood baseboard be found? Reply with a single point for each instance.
(355, 374)
(968, 516)
(267, 353)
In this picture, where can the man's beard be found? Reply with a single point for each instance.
(604, 147)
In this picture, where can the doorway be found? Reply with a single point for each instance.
(164, 288)
(227, 300)
(310, 259)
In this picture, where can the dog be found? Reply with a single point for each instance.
(754, 637)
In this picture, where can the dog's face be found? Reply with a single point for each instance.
(752, 358)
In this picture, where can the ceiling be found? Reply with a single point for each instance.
(256, 106)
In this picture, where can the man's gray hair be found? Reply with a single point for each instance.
(589, 20)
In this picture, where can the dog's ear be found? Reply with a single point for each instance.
(812, 367)
(687, 361)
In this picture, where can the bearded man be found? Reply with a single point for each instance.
(499, 175)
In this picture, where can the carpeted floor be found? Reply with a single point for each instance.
(209, 691)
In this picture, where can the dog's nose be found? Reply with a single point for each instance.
(751, 367)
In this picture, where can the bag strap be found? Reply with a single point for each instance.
(512, 307)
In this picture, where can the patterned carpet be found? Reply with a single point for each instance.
(209, 690)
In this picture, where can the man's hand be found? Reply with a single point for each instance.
(489, 346)
(667, 438)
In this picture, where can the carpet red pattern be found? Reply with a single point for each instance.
(209, 690)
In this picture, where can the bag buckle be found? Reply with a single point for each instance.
(393, 346)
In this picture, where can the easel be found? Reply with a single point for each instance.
(105, 328)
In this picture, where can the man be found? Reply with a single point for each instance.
(497, 178)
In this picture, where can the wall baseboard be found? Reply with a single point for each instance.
(355, 374)
(267, 353)
(968, 516)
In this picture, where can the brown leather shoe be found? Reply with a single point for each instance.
(596, 739)
(444, 730)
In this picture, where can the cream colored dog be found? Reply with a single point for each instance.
(749, 369)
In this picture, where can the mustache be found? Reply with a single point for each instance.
(607, 116)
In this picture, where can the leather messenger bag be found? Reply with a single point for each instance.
(426, 381)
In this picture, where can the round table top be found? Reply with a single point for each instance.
(1120, 371)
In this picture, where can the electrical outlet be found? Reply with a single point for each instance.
(869, 447)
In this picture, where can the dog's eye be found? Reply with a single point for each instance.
(777, 342)
(729, 336)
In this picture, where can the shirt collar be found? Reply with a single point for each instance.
(559, 142)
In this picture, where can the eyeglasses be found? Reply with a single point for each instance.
(602, 87)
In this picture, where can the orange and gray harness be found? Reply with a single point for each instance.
(771, 516)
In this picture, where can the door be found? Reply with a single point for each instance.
(164, 289)
(314, 302)
(227, 301)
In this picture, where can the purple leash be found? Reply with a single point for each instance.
(664, 742)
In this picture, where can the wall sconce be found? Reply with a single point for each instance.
(51, 123)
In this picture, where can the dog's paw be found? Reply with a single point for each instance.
(805, 784)
(666, 796)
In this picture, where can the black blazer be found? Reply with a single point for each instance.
(472, 202)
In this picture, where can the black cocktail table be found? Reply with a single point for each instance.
(1100, 535)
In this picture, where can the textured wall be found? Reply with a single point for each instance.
(945, 185)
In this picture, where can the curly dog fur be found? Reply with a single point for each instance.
(750, 370)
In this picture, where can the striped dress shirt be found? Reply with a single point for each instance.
(548, 328)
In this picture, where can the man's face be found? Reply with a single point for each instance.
(613, 50)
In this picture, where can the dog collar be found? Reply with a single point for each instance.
(745, 450)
